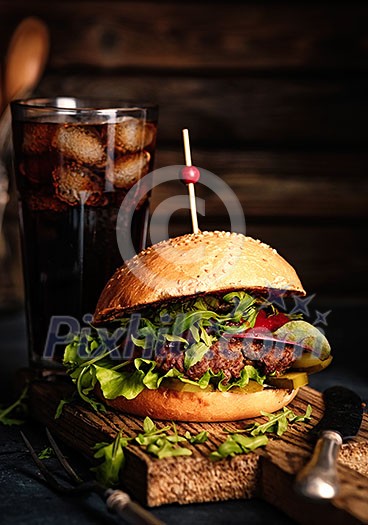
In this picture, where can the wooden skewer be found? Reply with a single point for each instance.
(192, 199)
(193, 207)
(188, 156)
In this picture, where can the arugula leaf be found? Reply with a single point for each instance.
(148, 426)
(184, 321)
(141, 343)
(46, 453)
(161, 444)
(18, 407)
(86, 381)
(175, 338)
(59, 408)
(238, 444)
(62, 403)
(194, 354)
(247, 374)
(278, 422)
(293, 418)
(207, 338)
(150, 432)
(157, 441)
(113, 460)
(195, 333)
(227, 448)
(162, 448)
(242, 302)
(71, 357)
(199, 438)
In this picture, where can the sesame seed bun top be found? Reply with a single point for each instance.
(193, 264)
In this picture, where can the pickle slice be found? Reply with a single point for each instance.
(250, 388)
(310, 364)
(289, 380)
(180, 386)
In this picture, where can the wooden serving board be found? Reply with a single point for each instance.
(266, 473)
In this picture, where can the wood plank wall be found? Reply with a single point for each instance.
(276, 98)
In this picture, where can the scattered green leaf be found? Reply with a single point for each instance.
(62, 403)
(148, 426)
(278, 422)
(159, 442)
(238, 444)
(18, 408)
(198, 438)
(163, 448)
(46, 453)
(113, 460)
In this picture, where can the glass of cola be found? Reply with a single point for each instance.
(78, 164)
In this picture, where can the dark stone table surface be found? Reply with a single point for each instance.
(24, 500)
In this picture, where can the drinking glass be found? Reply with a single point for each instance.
(75, 161)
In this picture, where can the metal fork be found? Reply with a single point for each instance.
(116, 500)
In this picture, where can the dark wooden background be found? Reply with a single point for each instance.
(275, 95)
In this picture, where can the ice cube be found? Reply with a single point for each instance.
(37, 137)
(128, 169)
(76, 184)
(80, 143)
(133, 135)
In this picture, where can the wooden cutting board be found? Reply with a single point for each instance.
(266, 473)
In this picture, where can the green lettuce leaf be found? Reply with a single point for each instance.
(195, 325)
(114, 384)
(147, 375)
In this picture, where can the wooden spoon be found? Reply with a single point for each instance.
(25, 59)
(24, 64)
(1, 91)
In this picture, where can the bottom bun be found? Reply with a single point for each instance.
(202, 406)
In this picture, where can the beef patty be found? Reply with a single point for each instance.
(230, 355)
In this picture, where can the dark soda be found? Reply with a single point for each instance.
(71, 179)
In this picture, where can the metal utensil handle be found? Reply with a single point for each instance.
(318, 479)
(119, 502)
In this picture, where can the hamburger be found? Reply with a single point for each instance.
(195, 328)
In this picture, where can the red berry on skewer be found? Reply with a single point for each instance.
(190, 174)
